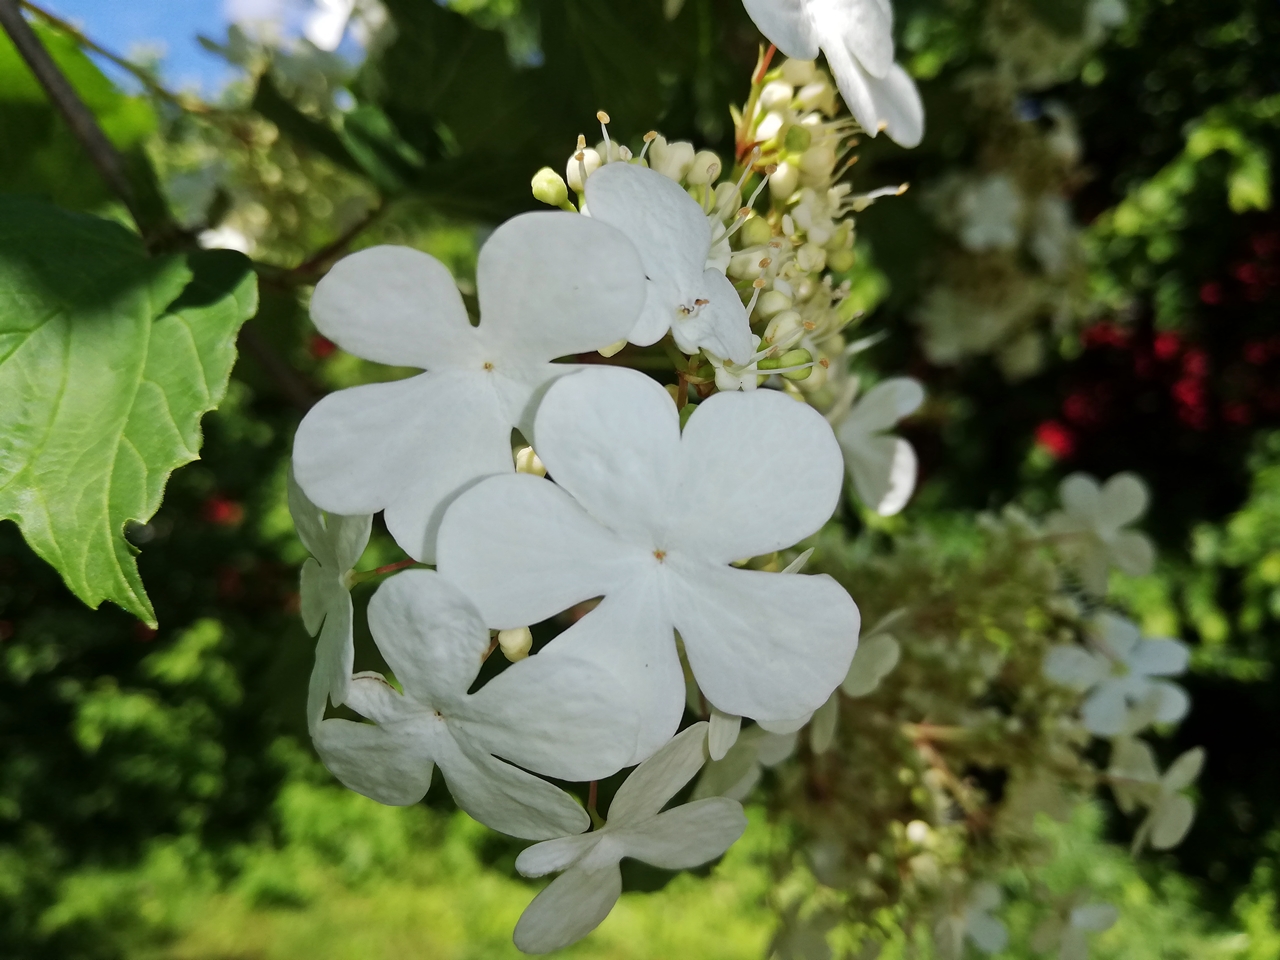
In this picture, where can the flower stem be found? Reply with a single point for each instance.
(381, 571)
(597, 821)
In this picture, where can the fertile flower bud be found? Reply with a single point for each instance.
(783, 181)
(727, 200)
(818, 95)
(785, 328)
(527, 462)
(550, 188)
(516, 643)
(706, 168)
(796, 358)
(777, 93)
(818, 162)
(773, 303)
(799, 72)
(770, 126)
(756, 232)
(811, 257)
(612, 349)
(581, 165)
(841, 260)
(672, 160)
(745, 265)
(798, 140)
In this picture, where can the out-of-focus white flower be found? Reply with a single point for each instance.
(1137, 782)
(226, 238)
(326, 24)
(857, 37)
(736, 774)
(1085, 919)
(550, 285)
(1091, 528)
(1124, 677)
(651, 518)
(697, 303)
(543, 715)
(990, 212)
(878, 654)
(883, 467)
(336, 544)
(1053, 234)
(577, 901)
(1103, 15)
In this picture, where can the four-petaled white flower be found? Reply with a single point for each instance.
(740, 769)
(857, 37)
(1091, 528)
(696, 302)
(550, 285)
(336, 544)
(578, 900)
(651, 520)
(545, 714)
(883, 467)
(1123, 675)
(1137, 782)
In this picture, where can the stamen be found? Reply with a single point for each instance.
(649, 137)
(604, 128)
(759, 284)
(581, 157)
(764, 264)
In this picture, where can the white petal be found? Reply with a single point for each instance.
(573, 905)
(773, 748)
(430, 634)
(315, 593)
(788, 727)
(308, 520)
(611, 437)
(1124, 499)
(1094, 916)
(564, 712)
(653, 783)
(724, 733)
(522, 550)
(787, 25)
(1133, 552)
(335, 656)
(876, 658)
(891, 103)
(397, 306)
(883, 469)
(1172, 703)
(759, 473)
(1074, 667)
(1116, 635)
(822, 732)
(688, 835)
(552, 856)
(1184, 771)
(552, 284)
(390, 765)
(673, 237)
(863, 27)
(987, 933)
(1133, 760)
(1171, 821)
(507, 798)
(763, 645)
(885, 404)
(1159, 658)
(986, 896)
(406, 447)
(735, 775)
(1106, 710)
(1081, 497)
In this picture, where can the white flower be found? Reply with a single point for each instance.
(739, 770)
(336, 544)
(857, 37)
(990, 212)
(651, 519)
(1123, 676)
(883, 467)
(578, 900)
(1054, 238)
(1091, 527)
(546, 714)
(1136, 780)
(1085, 919)
(550, 285)
(697, 303)
(327, 23)
(878, 654)
(226, 237)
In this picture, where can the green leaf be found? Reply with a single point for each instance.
(108, 360)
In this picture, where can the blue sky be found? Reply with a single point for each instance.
(120, 25)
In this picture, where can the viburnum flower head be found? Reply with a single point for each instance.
(1125, 675)
(883, 467)
(336, 544)
(546, 714)
(1091, 527)
(696, 302)
(857, 38)
(549, 284)
(651, 520)
(577, 901)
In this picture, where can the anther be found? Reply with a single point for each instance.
(765, 262)
(649, 137)
(810, 325)
(604, 129)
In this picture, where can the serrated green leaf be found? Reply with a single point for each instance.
(108, 360)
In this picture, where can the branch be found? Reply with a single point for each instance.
(103, 154)
(138, 73)
(287, 379)
(319, 262)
